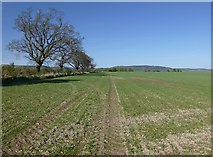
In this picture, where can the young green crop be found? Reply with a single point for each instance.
(75, 114)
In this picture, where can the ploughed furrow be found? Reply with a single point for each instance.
(24, 140)
(115, 139)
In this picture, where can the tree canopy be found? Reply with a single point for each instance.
(46, 36)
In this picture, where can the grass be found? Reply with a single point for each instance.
(148, 95)
(84, 113)
(151, 93)
(19, 102)
(78, 129)
(160, 131)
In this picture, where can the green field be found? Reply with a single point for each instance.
(109, 113)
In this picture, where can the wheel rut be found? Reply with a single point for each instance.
(111, 135)
(114, 127)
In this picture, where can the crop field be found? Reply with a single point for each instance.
(139, 113)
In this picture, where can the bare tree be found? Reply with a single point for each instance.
(65, 53)
(45, 34)
(86, 62)
(75, 59)
(81, 61)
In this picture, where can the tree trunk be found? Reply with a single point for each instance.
(38, 67)
(61, 66)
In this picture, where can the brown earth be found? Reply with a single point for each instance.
(112, 127)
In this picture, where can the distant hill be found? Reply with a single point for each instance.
(160, 68)
(146, 67)
(134, 67)
(195, 69)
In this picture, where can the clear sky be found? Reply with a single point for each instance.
(167, 34)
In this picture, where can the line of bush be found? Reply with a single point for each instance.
(11, 73)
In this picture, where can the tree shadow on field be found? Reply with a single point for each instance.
(30, 81)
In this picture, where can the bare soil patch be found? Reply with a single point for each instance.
(181, 144)
(170, 115)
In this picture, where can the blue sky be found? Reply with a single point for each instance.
(167, 34)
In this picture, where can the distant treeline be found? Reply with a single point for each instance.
(118, 69)
(150, 68)
(11, 71)
(169, 70)
(127, 69)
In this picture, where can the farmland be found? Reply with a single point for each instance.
(109, 113)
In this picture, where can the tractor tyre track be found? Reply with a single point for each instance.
(114, 128)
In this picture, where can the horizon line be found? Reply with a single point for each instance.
(120, 66)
